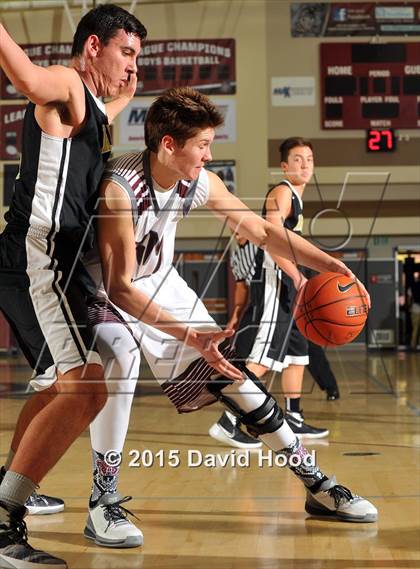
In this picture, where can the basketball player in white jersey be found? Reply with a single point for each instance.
(43, 285)
(143, 299)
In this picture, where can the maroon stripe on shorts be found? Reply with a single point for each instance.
(188, 392)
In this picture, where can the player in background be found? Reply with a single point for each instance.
(267, 336)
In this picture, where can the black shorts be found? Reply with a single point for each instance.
(268, 334)
(43, 296)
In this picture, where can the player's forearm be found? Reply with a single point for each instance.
(234, 317)
(280, 241)
(143, 308)
(290, 268)
(114, 107)
(240, 301)
(284, 243)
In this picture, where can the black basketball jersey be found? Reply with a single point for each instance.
(293, 222)
(56, 188)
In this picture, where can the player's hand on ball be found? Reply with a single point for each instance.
(207, 343)
(340, 267)
(363, 290)
(300, 282)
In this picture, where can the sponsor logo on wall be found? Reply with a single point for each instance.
(132, 118)
(292, 91)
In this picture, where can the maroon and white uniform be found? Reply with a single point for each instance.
(155, 216)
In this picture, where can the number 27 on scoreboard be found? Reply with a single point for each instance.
(380, 140)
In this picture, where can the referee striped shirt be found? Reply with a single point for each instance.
(243, 262)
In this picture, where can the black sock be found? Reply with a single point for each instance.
(292, 405)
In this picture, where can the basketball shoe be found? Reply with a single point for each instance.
(336, 501)
(15, 551)
(39, 504)
(107, 523)
(227, 431)
(301, 429)
(333, 394)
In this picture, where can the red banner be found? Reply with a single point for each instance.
(11, 121)
(207, 65)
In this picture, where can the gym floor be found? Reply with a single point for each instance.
(251, 517)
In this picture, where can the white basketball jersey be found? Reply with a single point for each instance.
(155, 214)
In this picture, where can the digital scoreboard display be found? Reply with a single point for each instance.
(380, 140)
(366, 85)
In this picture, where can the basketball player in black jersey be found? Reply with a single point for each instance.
(43, 286)
(268, 337)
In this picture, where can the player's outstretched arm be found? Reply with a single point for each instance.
(118, 259)
(39, 84)
(277, 240)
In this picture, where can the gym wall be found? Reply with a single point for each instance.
(265, 49)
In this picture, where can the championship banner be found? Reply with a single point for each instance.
(43, 54)
(207, 65)
(132, 118)
(11, 121)
(310, 19)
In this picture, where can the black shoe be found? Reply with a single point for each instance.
(227, 431)
(15, 551)
(333, 394)
(301, 429)
(39, 504)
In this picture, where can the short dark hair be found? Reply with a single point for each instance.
(287, 145)
(104, 21)
(180, 112)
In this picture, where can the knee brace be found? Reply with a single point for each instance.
(266, 418)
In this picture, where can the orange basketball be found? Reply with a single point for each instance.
(331, 309)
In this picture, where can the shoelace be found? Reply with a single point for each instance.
(115, 513)
(18, 531)
(340, 493)
(35, 497)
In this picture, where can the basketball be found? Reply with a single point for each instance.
(331, 309)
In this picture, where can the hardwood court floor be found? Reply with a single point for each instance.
(252, 518)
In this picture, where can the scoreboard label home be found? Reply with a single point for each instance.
(370, 85)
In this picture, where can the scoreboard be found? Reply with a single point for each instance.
(367, 85)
